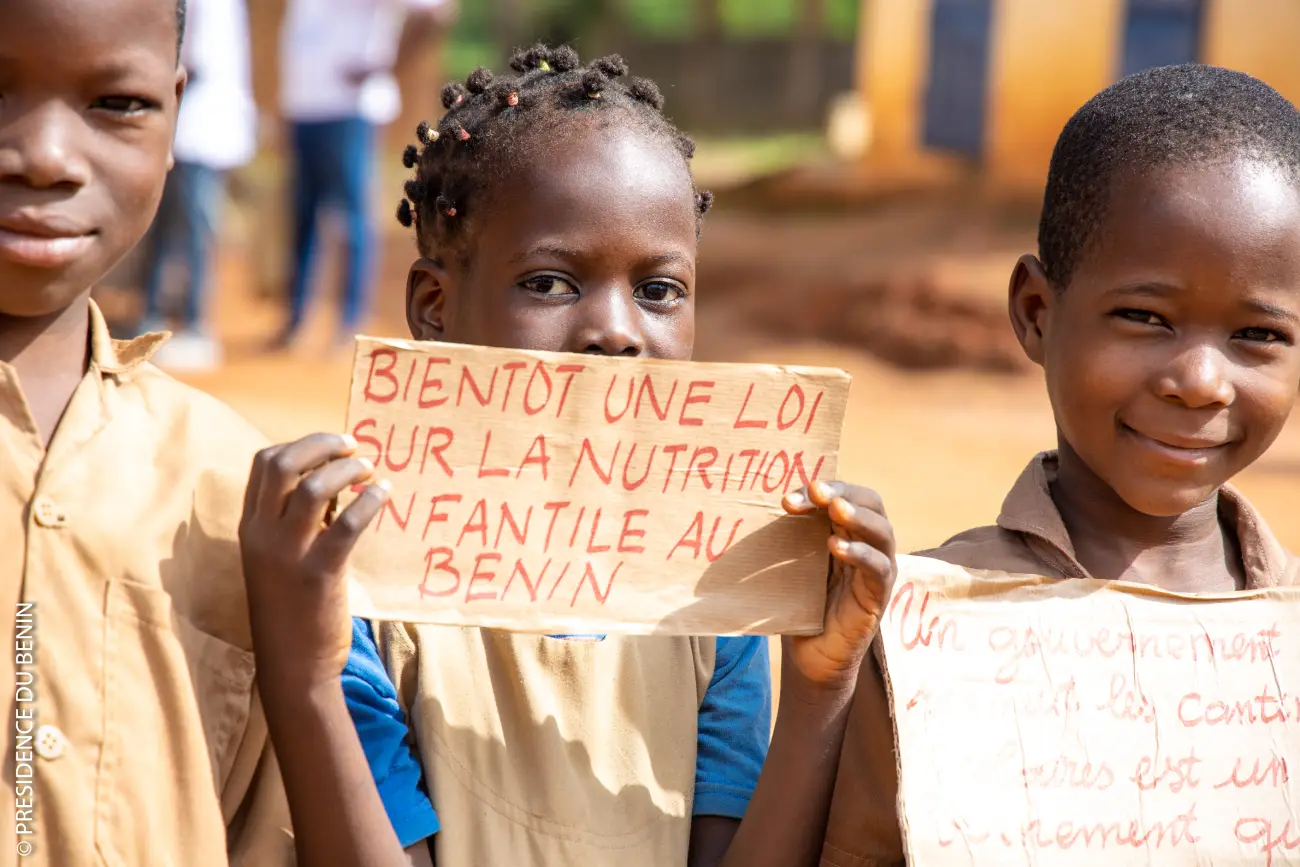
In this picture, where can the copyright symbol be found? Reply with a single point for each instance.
(24, 848)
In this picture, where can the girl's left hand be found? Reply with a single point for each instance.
(861, 576)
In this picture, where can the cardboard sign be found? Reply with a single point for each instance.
(1046, 723)
(550, 492)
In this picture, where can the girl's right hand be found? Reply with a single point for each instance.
(295, 557)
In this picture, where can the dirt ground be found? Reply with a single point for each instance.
(943, 415)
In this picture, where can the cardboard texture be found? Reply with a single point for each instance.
(1044, 722)
(550, 492)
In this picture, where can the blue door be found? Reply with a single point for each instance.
(957, 90)
(1161, 33)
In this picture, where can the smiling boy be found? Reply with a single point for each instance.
(1164, 309)
(119, 487)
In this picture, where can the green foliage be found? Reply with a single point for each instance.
(557, 20)
(465, 55)
(842, 19)
(662, 19)
(749, 18)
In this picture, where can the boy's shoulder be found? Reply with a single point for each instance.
(166, 415)
(1267, 561)
(1029, 537)
(207, 430)
(991, 548)
(177, 461)
(191, 438)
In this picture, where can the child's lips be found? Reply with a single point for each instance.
(42, 244)
(1189, 451)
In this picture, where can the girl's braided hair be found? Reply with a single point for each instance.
(494, 123)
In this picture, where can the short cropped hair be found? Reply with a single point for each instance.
(180, 25)
(1168, 116)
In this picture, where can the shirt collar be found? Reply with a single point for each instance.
(119, 357)
(1029, 509)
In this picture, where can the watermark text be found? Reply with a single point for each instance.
(24, 726)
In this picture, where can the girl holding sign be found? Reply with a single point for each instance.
(554, 210)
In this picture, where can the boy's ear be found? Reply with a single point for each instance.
(1029, 301)
(182, 79)
(427, 285)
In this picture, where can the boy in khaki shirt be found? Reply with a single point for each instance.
(1164, 308)
(142, 741)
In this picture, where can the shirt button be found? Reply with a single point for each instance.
(48, 513)
(50, 742)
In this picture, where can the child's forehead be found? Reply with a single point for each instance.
(601, 162)
(1232, 223)
(86, 32)
(1222, 197)
(586, 205)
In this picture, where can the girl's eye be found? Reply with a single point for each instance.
(547, 284)
(1141, 317)
(123, 104)
(659, 292)
(1262, 335)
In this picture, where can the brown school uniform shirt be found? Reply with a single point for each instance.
(549, 753)
(148, 745)
(1029, 538)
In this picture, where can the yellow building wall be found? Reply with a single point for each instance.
(1258, 37)
(1046, 60)
(893, 62)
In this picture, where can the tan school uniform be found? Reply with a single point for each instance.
(1029, 538)
(148, 742)
(542, 752)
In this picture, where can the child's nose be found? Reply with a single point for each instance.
(610, 324)
(1198, 377)
(44, 148)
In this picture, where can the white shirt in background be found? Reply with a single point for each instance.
(323, 41)
(217, 126)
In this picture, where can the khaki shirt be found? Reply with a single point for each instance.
(148, 742)
(1029, 538)
(542, 752)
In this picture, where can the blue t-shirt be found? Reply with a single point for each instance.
(381, 725)
(734, 728)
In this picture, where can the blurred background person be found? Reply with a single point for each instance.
(216, 132)
(338, 60)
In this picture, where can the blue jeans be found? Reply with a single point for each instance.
(186, 224)
(333, 163)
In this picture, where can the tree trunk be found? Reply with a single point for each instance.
(711, 21)
(803, 80)
(509, 24)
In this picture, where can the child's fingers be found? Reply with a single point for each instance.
(820, 495)
(310, 501)
(809, 498)
(861, 556)
(330, 510)
(798, 502)
(280, 471)
(860, 524)
(335, 544)
(252, 493)
(859, 497)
